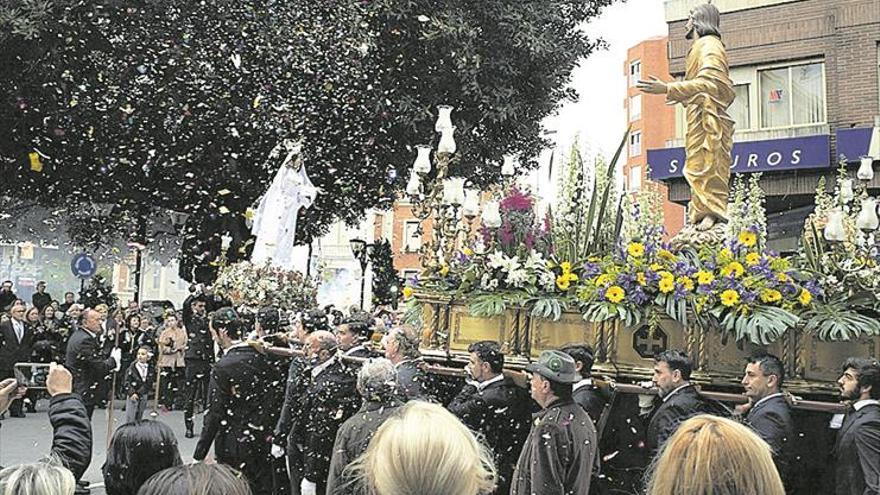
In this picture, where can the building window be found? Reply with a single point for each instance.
(635, 178)
(412, 239)
(635, 72)
(792, 96)
(739, 110)
(157, 276)
(635, 143)
(635, 108)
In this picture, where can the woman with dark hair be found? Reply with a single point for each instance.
(137, 451)
(197, 479)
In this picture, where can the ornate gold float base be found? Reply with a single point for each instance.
(626, 353)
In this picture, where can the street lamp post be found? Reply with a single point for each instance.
(361, 251)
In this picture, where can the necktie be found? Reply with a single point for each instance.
(18, 332)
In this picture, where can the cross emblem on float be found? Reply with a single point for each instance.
(647, 344)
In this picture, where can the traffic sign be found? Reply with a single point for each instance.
(83, 266)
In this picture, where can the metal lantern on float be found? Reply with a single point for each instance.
(453, 191)
(447, 142)
(422, 165)
(834, 230)
(846, 190)
(471, 206)
(508, 168)
(867, 219)
(444, 118)
(414, 186)
(866, 168)
(491, 215)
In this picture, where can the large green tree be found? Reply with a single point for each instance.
(175, 104)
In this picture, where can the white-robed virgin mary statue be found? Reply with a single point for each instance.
(276, 212)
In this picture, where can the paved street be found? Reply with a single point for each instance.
(29, 439)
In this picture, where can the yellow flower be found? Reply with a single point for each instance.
(779, 264)
(640, 278)
(636, 249)
(725, 254)
(704, 277)
(444, 270)
(593, 259)
(729, 297)
(753, 259)
(665, 275)
(656, 267)
(571, 277)
(782, 277)
(614, 294)
(666, 285)
(665, 254)
(770, 295)
(734, 268)
(805, 297)
(604, 279)
(467, 251)
(686, 282)
(407, 292)
(562, 282)
(566, 266)
(747, 238)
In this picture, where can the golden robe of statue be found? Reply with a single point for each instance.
(706, 93)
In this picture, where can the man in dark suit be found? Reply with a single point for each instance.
(240, 413)
(86, 361)
(493, 405)
(16, 345)
(353, 334)
(678, 399)
(328, 396)
(857, 448)
(7, 297)
(198, 357)
(41, 298)
(586, 394)
(767, 412)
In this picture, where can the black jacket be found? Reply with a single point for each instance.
(668, 414)
(134, 384)
(48, 345)
(771, 420)
(72, 433)
(413, 381)
(292, 391)
(502, 413)
(6, 300)
(352, 440)
(325, 402)
(87, 364)
(199, 343)
(857, 451)
(560, 454)
(241, 414)
(360, 351)
(590, 398)
(40, 301)
(11, 351)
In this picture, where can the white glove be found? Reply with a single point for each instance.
(116, 354)
(277, 451)
(308, 488)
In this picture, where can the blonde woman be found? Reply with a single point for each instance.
(172, 346)
(39, 478)
(717, 456)
(424, 449)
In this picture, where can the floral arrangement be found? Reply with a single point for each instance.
(251, 285)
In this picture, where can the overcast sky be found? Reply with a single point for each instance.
(599, 116)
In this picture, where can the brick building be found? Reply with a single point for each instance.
(806, 78)
(400, 226)
(652, 121)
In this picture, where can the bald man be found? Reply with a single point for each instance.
(327, 397)
(89, 367)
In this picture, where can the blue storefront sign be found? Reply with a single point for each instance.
(856, 142)
(770, 155)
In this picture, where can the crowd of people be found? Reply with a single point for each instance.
(315, 406)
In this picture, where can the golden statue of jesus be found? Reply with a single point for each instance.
(706, 92)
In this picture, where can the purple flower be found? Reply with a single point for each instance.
(747, 297)
(638, 296)
(517, 200)
(814, 287)
(590, 269)
(651, 276)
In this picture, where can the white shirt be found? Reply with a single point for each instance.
(18, 326)
(777, 394)
(865, 402)
(670, 394)
(317, 370)
(482, 385)
(142, 369)
(583, 383)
